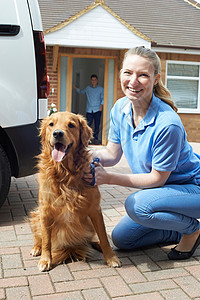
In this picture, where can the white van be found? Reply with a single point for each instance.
(23, 89)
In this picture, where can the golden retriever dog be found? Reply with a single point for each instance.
(69, 214)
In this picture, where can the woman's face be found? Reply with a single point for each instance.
(138, 78)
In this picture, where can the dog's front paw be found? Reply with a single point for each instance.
(35, 251)
(44, 265)
(114, 262)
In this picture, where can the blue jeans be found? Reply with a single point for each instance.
(97, 118)
(158, 215)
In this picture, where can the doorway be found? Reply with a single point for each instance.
(82, 70)
(74, 70)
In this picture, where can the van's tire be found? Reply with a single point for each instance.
(5, 176)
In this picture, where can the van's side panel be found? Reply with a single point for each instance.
(35, 15)
(18, 85)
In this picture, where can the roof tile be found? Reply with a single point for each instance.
(171, 22)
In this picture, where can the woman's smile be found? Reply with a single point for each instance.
(138, 79)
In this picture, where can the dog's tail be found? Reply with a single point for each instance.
(78, 253)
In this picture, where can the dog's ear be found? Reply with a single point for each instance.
(85, 131)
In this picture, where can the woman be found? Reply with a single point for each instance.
(146, 128)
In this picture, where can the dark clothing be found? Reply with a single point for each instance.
(96, 117)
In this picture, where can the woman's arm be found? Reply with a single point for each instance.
(145, 180)
(109, 156)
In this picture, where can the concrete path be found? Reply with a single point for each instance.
(146, 274)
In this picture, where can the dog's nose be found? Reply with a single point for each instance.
(58, 134)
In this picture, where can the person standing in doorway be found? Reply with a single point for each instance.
(95, 98)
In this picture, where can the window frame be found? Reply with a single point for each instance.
(185, 110)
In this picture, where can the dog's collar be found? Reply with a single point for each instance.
(92, 169)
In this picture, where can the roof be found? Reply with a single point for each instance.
(165, 23)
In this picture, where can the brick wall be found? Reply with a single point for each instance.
(53, 77)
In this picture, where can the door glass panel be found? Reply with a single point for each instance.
(63, 82)
(111, 82)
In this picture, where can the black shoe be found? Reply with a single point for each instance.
(179, 255)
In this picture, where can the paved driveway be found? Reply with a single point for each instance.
(146, 274)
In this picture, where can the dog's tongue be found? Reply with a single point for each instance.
(58, 152)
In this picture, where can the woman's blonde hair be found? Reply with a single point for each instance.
(160, 90)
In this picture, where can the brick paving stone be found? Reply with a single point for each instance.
(18, 212)
(111, 212)
(61, 296)
(21, 185)
(116, 286)
(97, 294)
(23, 228)
(194, 271)
(16, 243)
(40, 285)
(78, 266)
(12, 250)
(25, 251)
(21, 272)
(98, 264)
(77, 285)
(8, 236)
(31, 263)
(25, 237)
(144, 263)
(166, 274)
(148, 296)
(156, 254)
(129, 253)
(124, 261)
(5, 217)
(14, 197)
(2, 294)
(35, 193)
(153, 286)
(18, 293)
(94, 273)
(11, 261)
(189, 285)
(169, 264)
(131, 274)
(60, 273)
(6, 228)
(13, 281)
(174, 294)
(25, 195)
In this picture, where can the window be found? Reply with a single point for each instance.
(183, 81)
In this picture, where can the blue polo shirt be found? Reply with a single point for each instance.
(158, 142)
(94, 97)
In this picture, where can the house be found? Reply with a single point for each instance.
(85, 37)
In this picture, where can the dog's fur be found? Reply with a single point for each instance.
(69, 214)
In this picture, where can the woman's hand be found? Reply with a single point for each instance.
(101, 176)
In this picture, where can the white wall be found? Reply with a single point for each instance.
(96, 29)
